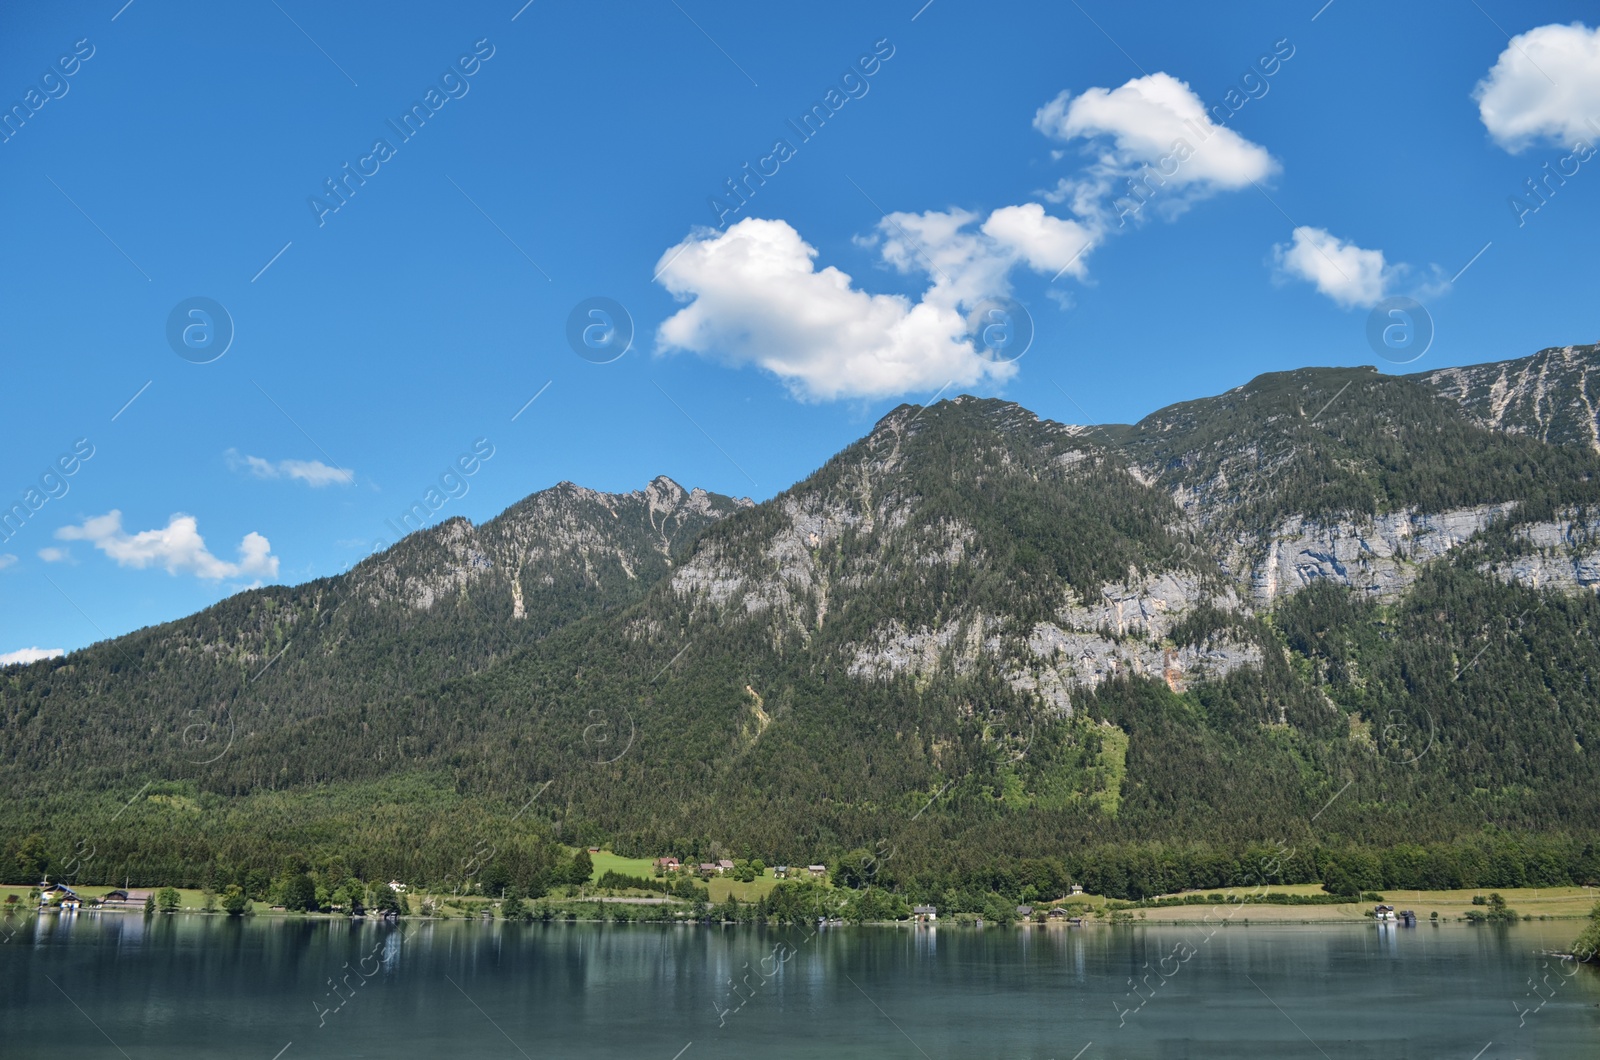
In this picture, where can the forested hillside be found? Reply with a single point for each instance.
(1331, 611)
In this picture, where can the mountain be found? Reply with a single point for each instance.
(1551, 396)
(1329, 607)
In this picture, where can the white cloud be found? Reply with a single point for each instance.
(965, 261)
(313, 473)
(756, 297)
(54, 555)
(29, 655)
(1046, 244)
(1343, 271)
(1150, 137)
(1545, 87)
(7, 560)
(178, 547)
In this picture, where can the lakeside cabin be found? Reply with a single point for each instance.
(1024, 912)
(925, 913)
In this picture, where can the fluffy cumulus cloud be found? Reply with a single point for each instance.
(313, 473)
(51, 554)
(1544, 88)
(29, 655)
(756, 297)
(1346, 273)
(7, 560)
(754, 293)
(178, 547)
(1151, 138)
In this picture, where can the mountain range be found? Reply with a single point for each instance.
(1330, 609)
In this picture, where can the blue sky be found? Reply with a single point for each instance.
(970, 153)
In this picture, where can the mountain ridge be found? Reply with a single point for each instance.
(972, 626)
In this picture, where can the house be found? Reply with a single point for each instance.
(925, 912)
(780, 872)
(817, 870)
(594, 850)
(708, 868)
(668, 864)
(57, 894)
(724, 865)
(1056, 914)
(1024, 912)
(1077, 888)
(122, 897)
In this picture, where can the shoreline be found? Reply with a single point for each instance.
(1260, 915)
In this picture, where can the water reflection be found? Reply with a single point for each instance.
(191, 986)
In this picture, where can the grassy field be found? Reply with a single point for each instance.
(1557, 902)
(606, 861)
(720, 886)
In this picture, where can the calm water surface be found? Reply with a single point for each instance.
(190, 986)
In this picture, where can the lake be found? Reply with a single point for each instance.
(268, 988)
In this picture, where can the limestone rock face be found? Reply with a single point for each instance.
(1562, 555)
(1381, 555)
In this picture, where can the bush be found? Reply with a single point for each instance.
(1587, 946)
(512, 908)
(235, 902)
